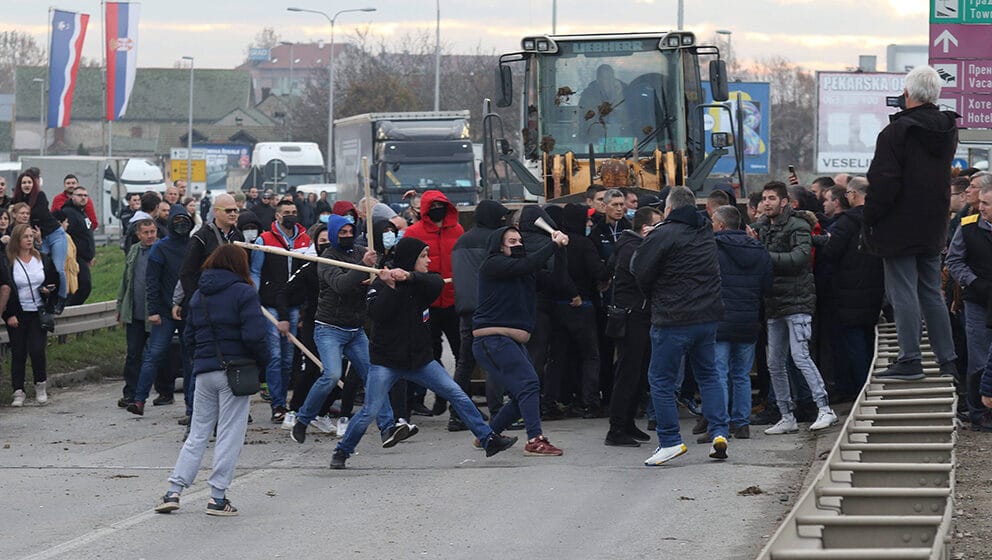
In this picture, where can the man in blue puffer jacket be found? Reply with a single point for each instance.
(745, 277)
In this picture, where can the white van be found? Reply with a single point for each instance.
(316, 188)
(304, 164)
(138, 176)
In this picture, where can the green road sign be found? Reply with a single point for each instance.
(961, 11)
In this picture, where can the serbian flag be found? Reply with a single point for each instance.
(121, 23)
(68, 32)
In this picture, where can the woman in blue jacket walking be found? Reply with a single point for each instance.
(224, 314)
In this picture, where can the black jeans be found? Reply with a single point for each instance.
(85, 284)
(27, 338)
(539, 344)
(136, 336)
(574, 334)
(631, 378)
(466, 366)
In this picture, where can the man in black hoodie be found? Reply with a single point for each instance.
(81, 231)
(906, 216)
(574, 317)
(399, 302)
(470, 251)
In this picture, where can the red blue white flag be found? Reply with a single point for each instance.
(121, 24)
(68, 32)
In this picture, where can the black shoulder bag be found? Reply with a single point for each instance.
(242, 374)
(46, 319)
(616, 316)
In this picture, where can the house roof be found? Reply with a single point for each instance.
(159, 94)
(173, 135)
(307, 56)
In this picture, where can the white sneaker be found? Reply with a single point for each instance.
(289, 420)
(824, 419)
(342, 426)
(41, 392)
(663, 455)
(324, 424)
(19, 397)
(413, 427)
(787, 425)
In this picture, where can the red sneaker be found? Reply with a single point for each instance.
(541, 447)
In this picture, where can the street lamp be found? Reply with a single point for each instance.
(189, 130)
(330, 83)
(292, 61)
(727, 33)
(437, 58)
(41, 113)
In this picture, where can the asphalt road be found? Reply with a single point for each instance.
(79, 478)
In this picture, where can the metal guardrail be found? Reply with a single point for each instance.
(79, 319)
(886, 491)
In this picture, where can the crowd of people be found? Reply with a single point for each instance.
(624, 307)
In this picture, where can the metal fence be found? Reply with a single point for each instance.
(80, 319)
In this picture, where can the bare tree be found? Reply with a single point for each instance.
(17, 49)
(793, 113)
(267, 38)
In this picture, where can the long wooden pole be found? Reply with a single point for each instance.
(367, 186)
(306, 351)
(313, 258)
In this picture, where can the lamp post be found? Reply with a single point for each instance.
(189, 130)
(554, 17)
(437, 58)
(41, 113)
(292, 62)
(330, 83)
(727, 33)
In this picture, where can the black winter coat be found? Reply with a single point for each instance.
(745, 277)
(556, 285)
(584, 265)
(342, 294)
(624, 290)
(471, 250)
(201, 244)
(907, 205)
(677, 265)
(80, 231)
(401, 334)
(858, 281)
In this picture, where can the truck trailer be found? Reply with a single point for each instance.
(406, 151)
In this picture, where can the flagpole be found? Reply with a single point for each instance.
(103, 58)
(44, 125)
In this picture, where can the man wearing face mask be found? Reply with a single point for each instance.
(164, 263)
(250, 225)
(440, 229)
(470, 251)
(271, 275)
(502, 324)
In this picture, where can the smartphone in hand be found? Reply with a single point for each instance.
(793, 178)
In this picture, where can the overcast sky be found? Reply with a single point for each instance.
(818, 34)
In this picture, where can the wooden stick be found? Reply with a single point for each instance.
(313, 258)
(367, 185)
(306, 351)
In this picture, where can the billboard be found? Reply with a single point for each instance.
(850, 112)
(755, 98)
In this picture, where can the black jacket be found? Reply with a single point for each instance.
(342, 294)
(201, 244)
(401, 334)
(41, 216)
(266, 215)
(677, 265)
(624, 290)
(604, 239)
(80, 232)
(745, 277)
(14, 303)
(556, 283)
(469, 252)
(906, 209)
(858, 281)
(584, 265)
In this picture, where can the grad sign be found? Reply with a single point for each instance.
(755, 100)
(851, 111)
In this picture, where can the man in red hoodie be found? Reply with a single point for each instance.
(439, 229)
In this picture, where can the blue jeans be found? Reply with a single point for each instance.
(332, 343)
(432, 376)
(280, 357)
(668, 347)
(56, 244)
(733, 364)
(156, 351)
(789, 336)
(978, 336)
(508, 362)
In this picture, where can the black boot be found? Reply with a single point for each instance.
(620, 438)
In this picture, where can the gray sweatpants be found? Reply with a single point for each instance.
(913, 286)
(213, 403)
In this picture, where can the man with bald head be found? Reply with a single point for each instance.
(222, 229)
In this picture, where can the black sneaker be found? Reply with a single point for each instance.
(168, 504)
(743, 432)
(338, 459)
(278, 414)
(455, 424)
(221, 507)
(517, 426)
(136, 408)
(906, 370)
(299, 433)
(690, 404)
(652, 425)
(499, 442)
(616, 438)
(420, 410)
(635, 432)
(551, 411)
(701, 426)
(124, 402)
(184, 421)
(949, 368)
(163, 400)
(396, 434)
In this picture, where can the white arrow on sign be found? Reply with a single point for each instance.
(946, 37)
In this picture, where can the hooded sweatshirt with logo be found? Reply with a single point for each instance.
(441, 240)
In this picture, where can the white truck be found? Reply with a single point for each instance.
(281, 166)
